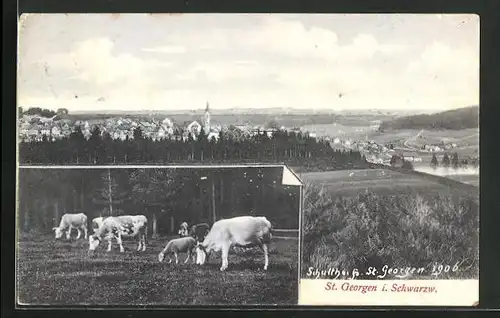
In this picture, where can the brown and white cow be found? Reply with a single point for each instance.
(71, 221)
(241, 231)
(121, 226)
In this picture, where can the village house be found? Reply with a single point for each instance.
(194, 128)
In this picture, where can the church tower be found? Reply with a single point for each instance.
(206, 122)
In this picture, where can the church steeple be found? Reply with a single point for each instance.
(206, 124)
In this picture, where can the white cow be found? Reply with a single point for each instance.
(96, 223)
(118, 227)
(184, 229)
(242, 231)
(71, 221)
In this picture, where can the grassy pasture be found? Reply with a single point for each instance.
(380, 181)
(62, 273)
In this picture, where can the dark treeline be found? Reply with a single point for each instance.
(166, 196)
(456, 119)
(284, 147)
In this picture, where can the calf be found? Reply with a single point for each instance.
(71, 221)
(183, 230)
(118, 227)
(179, 245)
(242, 231)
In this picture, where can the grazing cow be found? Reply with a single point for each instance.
(199, 231)
(242, 231)
(71, 221)
(96, 223)
(184, 229)
(185, 244)
(118, 227)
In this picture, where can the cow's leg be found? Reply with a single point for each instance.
(225, 254)
(188, 255)
(119, 241)
(85, 232)
(139, 244)
(266, 256)
(68, 233)
(144, 242)
(176, 258)
(79, 234)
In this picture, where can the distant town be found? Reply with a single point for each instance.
(36, 126)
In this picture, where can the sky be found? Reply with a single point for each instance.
(88, 62)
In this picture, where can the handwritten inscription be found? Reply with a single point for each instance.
(382, 273)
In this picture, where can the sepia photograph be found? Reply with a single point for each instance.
(341, 149)
(158, 236)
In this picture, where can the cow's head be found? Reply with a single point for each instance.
(93, 242)
(58, 231)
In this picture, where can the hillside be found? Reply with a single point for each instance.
(462, 118)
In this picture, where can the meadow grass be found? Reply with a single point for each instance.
(62, 273)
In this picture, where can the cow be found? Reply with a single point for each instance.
(199, 231)
(241, 231)
(71, 221)
(185, 244)
(96, 223)
(118, 227)
(184, 229)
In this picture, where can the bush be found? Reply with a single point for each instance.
(403, 230)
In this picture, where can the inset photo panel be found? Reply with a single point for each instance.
(159, 236)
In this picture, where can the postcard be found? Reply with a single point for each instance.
(248, 159)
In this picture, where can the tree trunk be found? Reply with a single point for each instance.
(214, 217)
(172, 225)
(81, 197)
(110, 194)
(222, 190)
(26, 216)
(75, 200)
(56, 213)
(155, 227)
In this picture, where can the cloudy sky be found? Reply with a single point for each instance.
(166, 62)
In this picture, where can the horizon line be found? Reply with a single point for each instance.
(252, 109)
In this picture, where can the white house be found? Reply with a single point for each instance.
(194, 128)
(213, 135)
(56, 132)
(167, 122)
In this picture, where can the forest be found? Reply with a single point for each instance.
(167, 197)
(462, 118)
(292, 148)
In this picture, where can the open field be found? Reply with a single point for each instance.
(339, 130)
(373, 218)
(62, 273)
(380, 181)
